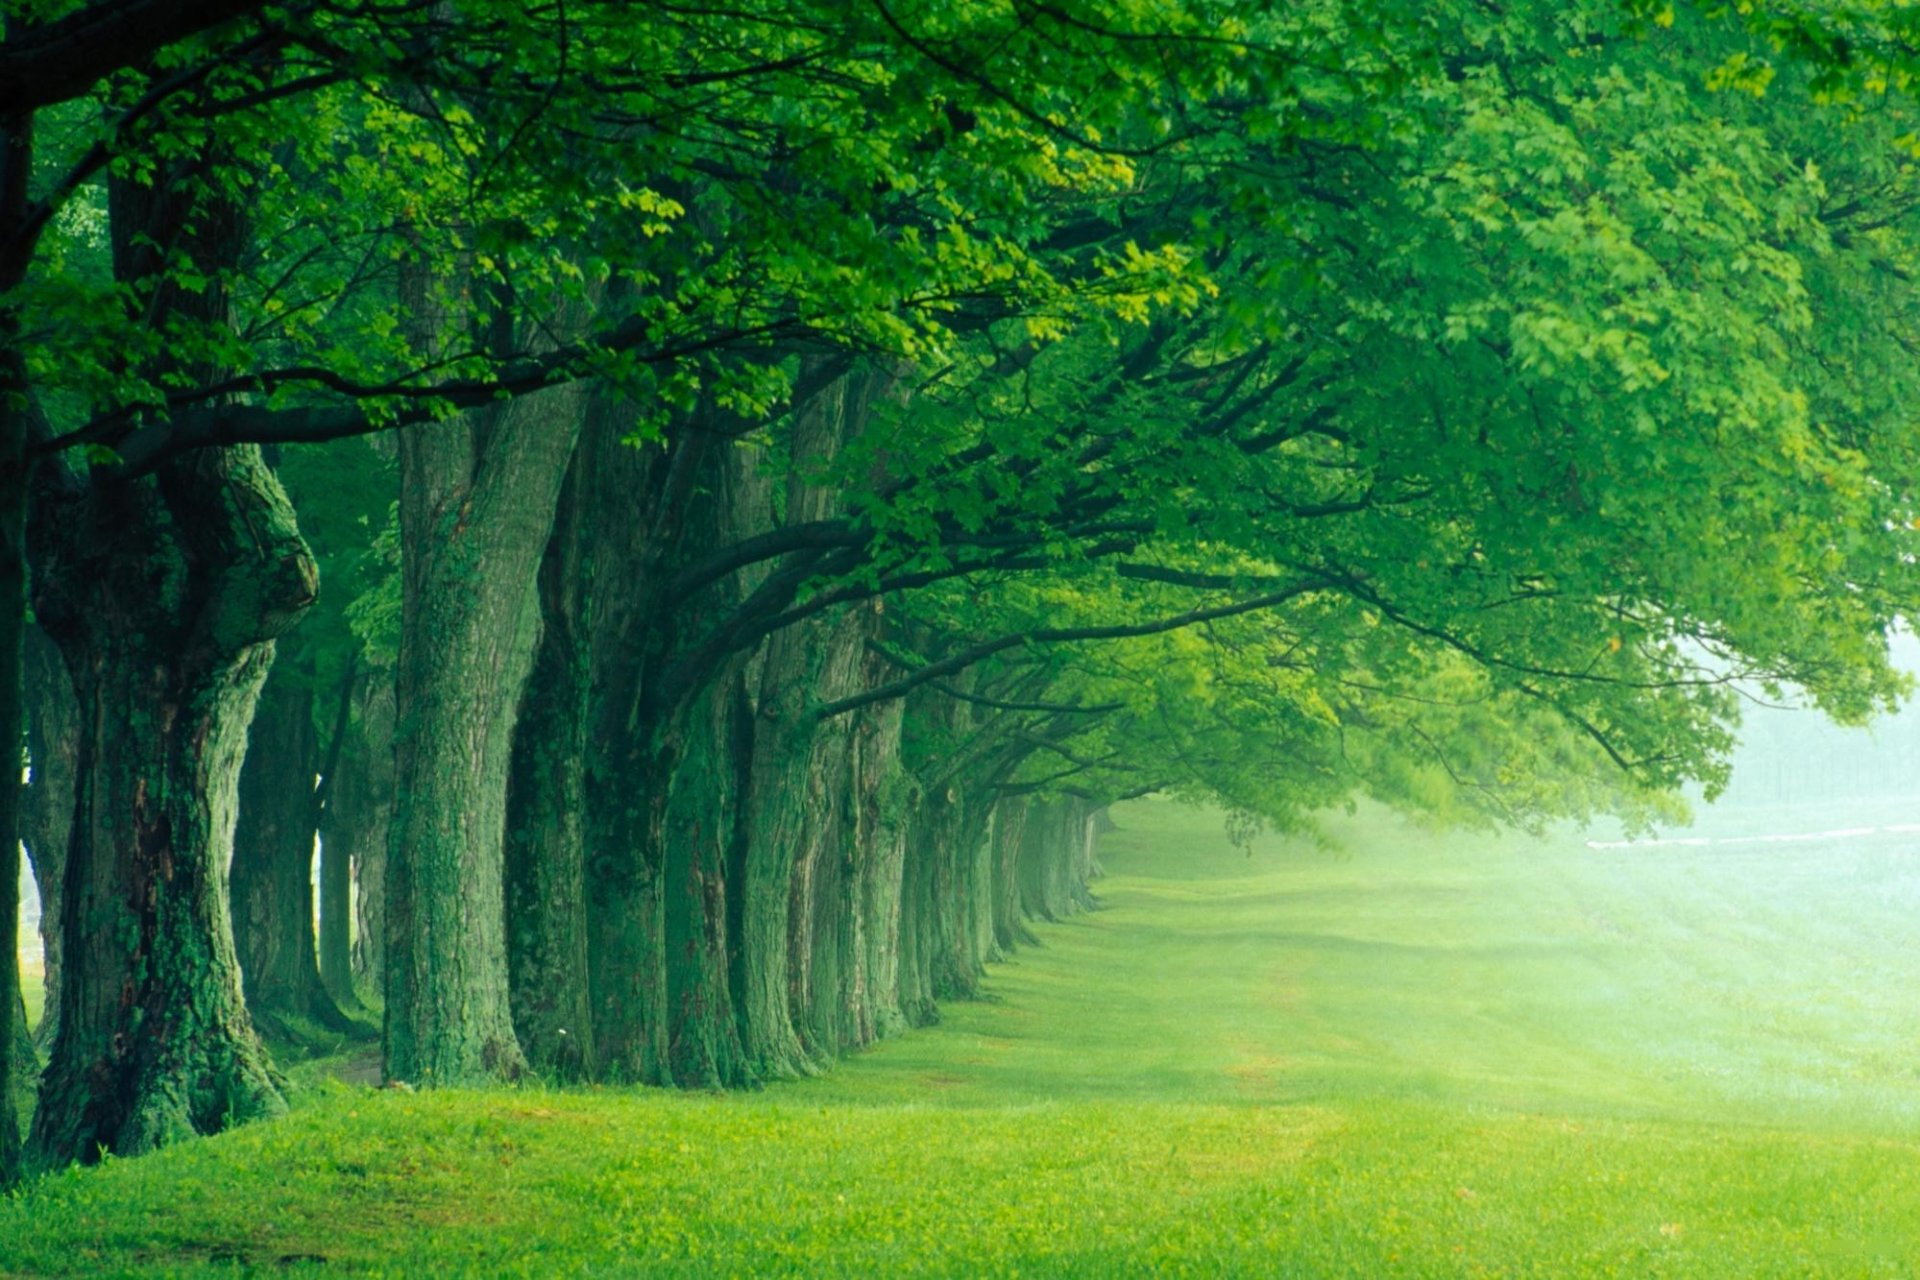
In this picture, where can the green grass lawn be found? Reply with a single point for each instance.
(1412, 1055)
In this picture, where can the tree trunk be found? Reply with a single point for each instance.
(545, 839)
(629, 757)
(355, 822)
(845, 923)
(272, 874)
(881, 795)
(164, 595)
(1009, 830)
(702, 859)
(478, 497)
(1056, 859)
(794, 819)
(336, 926)
(950, 836)
(46, 817)
(336, 861)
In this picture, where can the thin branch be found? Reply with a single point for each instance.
(1059, 635)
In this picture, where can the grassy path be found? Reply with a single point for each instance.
(1419, 1057)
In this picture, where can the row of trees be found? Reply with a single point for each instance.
(817, 455)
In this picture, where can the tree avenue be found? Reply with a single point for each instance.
(701, 511)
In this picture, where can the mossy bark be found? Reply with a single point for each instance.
(545, 839)
(881, 794)
(164, 595)
(950, 835)
(629, 755)
(796, 839)
(46, 816)
(796, 884)
(844, 940)
(272, 873)
(661, 854)
(478, 498)
(702, 864)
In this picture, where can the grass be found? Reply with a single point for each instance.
(1417, 1056)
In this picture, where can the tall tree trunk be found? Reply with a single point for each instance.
(46, 816)
(355, 821)
(1056, 859)
(840, 942)
(1009, 833)
(799, 788)
(636, 506)
(272, 874)
(477, 504)
(545, 836)
(881, 797)
(796, 804)
(701, 863)
(164, 595)
(336, 926)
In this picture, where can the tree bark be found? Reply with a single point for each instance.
(799, 792)
(545, 837)
(478, 498)
(844, 937)
(1009, 831)
(701, 865)
(272, 874)
(637, 503)
(1056, 859)
(355, 821)
(881, 796)
(164, 596)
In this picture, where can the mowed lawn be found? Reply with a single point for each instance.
(1410, 1055)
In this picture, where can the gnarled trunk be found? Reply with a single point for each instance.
(164, 595)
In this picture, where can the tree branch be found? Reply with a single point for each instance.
(1059, 635)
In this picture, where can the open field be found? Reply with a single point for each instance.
(1410, 1056)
